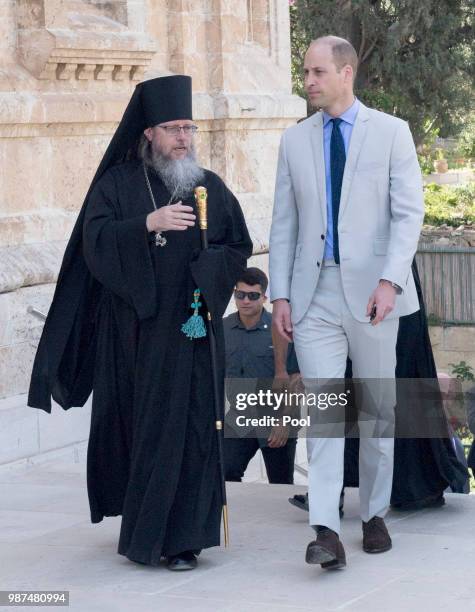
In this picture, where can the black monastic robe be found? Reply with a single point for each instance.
(152, 454)
(423, 467)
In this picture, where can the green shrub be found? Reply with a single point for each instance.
(466, 144)
(453, 206)
(426, 162)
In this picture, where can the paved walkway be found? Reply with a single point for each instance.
(47, 542)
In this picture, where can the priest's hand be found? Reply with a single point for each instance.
(175, 217)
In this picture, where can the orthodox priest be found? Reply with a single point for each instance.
(133, 285)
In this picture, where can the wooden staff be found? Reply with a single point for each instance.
(201, 198)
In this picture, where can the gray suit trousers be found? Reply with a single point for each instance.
(324, 337)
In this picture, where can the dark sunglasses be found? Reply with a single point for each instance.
(252, 295)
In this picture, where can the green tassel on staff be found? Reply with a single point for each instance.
(195, 326)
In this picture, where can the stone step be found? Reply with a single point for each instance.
(26, 432)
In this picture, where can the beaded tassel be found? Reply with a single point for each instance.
(195, 326)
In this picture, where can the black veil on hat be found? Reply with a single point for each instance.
(155, 101)
(64, 362)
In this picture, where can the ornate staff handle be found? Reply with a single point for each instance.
(201, 199)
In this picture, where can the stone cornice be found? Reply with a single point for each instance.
(38, 108)
(62, 54)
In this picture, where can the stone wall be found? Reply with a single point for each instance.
(67, 70)
(452, 345)
(443, 235)
(452, 177)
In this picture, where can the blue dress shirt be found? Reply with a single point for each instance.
(346, 127)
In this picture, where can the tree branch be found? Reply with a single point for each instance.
(431, 125)
(370, 50)
(363, 42)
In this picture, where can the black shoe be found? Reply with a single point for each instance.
(327, 550)
(301, 501)
(184, 561)
(376, 538)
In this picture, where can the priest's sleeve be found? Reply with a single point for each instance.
(116, 250)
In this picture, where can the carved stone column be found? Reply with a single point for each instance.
(238, 54)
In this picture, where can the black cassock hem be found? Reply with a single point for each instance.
(144, 559)
(98, 517)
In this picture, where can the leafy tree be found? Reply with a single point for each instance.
(467, 138)
(416, 57)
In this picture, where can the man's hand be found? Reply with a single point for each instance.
(278, 436)
(280, 382)
(383, 297)
(281, 318)
(176, 217)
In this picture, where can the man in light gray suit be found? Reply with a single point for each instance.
(347, 216)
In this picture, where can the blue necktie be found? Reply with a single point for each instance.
(337, 167)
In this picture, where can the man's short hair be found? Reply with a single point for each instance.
(343, 51)
(254, 276)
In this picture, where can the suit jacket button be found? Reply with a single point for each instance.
(318, 264)
(322, 236)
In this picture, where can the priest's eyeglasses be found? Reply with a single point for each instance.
(252, 295)
(174, 130)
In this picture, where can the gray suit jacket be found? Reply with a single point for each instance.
(380, 219)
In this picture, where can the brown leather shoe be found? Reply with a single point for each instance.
(376, 538)
(326, 550)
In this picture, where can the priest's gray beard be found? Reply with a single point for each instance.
(180, 176)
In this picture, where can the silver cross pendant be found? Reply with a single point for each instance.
(160, 240)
